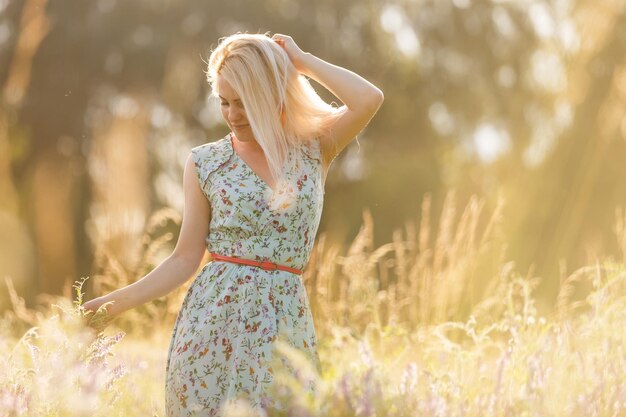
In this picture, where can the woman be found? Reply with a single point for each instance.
(254, 199)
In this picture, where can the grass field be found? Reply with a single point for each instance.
(435, 323)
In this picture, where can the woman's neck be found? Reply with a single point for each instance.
(248, 145)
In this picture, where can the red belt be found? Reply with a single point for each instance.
(267, 265)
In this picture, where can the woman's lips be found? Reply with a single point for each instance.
(240, 126)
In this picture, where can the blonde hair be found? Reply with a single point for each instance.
(281, 106)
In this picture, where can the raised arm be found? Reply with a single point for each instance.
(180, 265)
(361, 98)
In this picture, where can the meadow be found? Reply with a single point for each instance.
(436, 322)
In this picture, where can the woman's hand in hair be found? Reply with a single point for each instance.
(293, 51)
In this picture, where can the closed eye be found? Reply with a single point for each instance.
(238, 104)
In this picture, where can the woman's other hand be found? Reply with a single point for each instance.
(293, 51)
(97, 314)
(94, 305)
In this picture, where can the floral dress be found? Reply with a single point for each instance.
(222, 339)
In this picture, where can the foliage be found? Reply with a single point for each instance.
(504, 358)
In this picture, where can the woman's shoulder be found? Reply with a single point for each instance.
(209, 156)
(220, 145)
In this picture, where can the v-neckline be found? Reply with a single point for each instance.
(245, 164)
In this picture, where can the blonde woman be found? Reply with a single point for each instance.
(254, 199)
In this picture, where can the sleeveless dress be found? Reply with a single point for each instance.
(222, 339)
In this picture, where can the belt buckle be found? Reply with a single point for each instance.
(269, 266)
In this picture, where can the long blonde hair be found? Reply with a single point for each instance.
(281, 106)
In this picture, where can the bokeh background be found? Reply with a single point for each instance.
(521, 102)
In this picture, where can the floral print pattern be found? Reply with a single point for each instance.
(221, 344)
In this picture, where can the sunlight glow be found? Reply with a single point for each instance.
(504, 23)
(160, 116)
(353, 165)
(491, 142)
(542, 142)
(548, 71)
(440, 118)
(542, 20)
(123, 106)
(462, 4)
(209, 114)
(546, 130)
(406, 41)
(391, 18)
(568, 36)
(143, 36)
(393, 21)
(506, 76)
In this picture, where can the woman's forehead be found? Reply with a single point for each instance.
(225, 90)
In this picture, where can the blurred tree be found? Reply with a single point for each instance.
(526, 98)
(16, 248)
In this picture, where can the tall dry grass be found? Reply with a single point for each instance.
(422, 277)
(110, 273)
(436, 322)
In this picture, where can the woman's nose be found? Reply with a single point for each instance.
(234, 114)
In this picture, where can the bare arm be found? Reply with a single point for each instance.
(361, 98)
(180, 265)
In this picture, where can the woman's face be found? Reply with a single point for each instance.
(232, 110)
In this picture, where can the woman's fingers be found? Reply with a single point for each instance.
(280, 38)
(90, 306)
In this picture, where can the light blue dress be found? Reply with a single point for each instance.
(222, 339)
